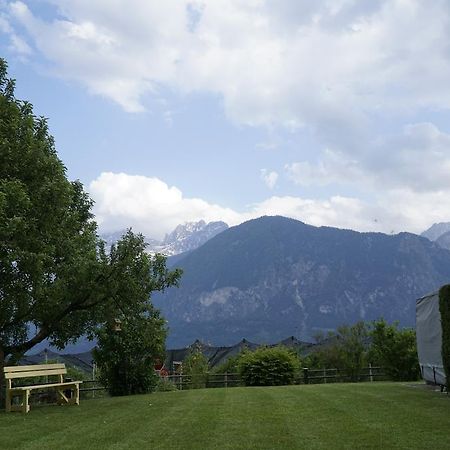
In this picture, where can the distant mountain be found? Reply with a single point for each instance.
(444, 240)
(436, 231)
(184, 238)
(82, 345)
(272, 277)
(189, 236)
(112, 238)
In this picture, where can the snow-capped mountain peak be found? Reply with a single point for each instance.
(183, 238)
(190, 236)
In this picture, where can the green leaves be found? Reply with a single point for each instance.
(395, 350)
(353, 347)
(56, 280)
(345, 349)
(196, 367)
(126, 358)
(267, 366)
(6, 84)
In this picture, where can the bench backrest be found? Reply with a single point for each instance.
(38, 370)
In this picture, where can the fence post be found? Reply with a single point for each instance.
(226, 379)
(324, 375)
(370, 372)
(305, 375)
(93, 378)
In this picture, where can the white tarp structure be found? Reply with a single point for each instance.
(429, 339)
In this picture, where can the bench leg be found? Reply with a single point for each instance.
(62, 399)
(8, 401)
(76, 393)
(25, 405)
(74, 398)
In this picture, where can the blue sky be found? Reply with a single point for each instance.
(332, 112)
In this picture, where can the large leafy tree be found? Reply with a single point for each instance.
(56, 279)
(395, 350)
(346, 348)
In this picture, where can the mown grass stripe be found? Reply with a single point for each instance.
(338, 416)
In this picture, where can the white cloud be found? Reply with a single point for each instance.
(334, 167)
(148, 205)
(5, 27)
(152, 207)
(269, 177)
(337, 211)
(418, 159)
(338, 69)
(326, 64)
(17, 44)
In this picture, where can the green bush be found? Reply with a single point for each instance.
(444, 308)
(266, 366)
(231, 365)
(165, 385)
(196, 366)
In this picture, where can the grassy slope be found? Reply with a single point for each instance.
(377, 415)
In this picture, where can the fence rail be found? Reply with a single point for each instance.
(93, 388)
(310, 376)
(306, 376)
(209, 380)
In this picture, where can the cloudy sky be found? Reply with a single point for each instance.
(334, 112)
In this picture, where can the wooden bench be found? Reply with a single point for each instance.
(13, 373)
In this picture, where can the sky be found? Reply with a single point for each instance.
(333, 112)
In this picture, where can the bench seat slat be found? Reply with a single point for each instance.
(9, 369)
(42, 386)
(35, 373)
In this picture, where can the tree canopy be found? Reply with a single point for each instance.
(56, 279)
(346, 348)
(381, 344)
(126, 357)
(395, 349)
(196, 367)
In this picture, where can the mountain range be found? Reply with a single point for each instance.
(273, 276)
(439, 233)
(184, 238)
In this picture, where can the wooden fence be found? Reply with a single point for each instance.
(93, 389)
(306, 376)
(315, 376)
(208, 380)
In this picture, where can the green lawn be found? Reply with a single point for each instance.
(331, 416)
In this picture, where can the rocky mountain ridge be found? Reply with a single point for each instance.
(184, 238)
(271, 277)
(439, 233)
(444, 240)
(436, 230)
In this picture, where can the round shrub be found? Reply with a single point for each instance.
(268, 366)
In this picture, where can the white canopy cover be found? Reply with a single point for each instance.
(429, 339)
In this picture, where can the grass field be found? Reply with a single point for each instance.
(331, 416)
